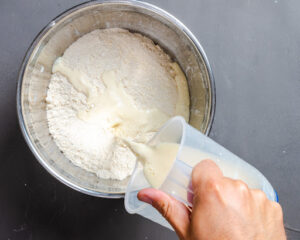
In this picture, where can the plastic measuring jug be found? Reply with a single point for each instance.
(177, 183)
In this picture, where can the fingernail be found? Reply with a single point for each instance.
(145, 199)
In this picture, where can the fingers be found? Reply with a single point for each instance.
(172, 210)
(266, 205)
(204, 173)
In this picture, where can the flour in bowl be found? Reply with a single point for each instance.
(109, 85)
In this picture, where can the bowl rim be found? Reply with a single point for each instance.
(50, 25)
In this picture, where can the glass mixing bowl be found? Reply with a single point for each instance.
(52, 41)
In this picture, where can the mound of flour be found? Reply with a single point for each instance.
(146, 76)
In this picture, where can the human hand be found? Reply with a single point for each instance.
(223, 209)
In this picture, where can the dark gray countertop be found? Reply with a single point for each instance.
(254, 49)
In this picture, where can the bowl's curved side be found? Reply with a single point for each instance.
(185, 29)
(26, 135)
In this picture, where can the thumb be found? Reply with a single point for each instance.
(175, 212)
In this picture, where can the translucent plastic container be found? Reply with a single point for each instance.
(177, 183)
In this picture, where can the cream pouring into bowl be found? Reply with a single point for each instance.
(50, 44)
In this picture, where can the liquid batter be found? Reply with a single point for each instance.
(158, 160)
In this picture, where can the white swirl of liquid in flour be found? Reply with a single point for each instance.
(113, 106)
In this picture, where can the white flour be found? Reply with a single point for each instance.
(150, 80)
